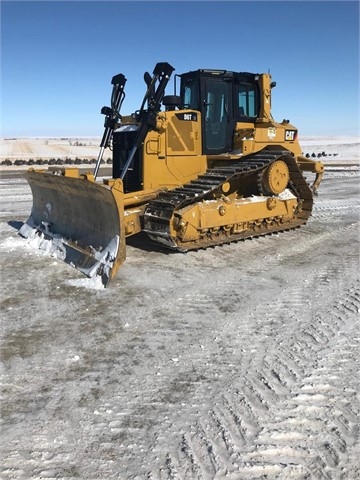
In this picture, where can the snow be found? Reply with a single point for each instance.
(337, 149)
(92, 283)
(41, 238)
(237, 362)
(26, 148)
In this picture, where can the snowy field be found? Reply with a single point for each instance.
(238, 362)
(26, 148)
(337, 149)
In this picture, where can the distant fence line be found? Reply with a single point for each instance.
(52, 161)
(76, 160)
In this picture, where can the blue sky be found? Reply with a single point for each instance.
(58, 58)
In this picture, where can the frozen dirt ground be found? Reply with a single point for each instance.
(238, 362)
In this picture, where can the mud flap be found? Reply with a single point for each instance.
(78, 221)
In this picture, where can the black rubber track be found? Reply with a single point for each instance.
(159, 212)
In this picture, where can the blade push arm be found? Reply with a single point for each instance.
(153, 98)
(112, 115)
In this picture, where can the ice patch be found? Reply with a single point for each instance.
(315, 387)
(75, 358)
(53, 246)
(94, 283)
(96, 264)
(288, 436)
(274, 452)
(286, 195)
(311, 398)
(12, 243)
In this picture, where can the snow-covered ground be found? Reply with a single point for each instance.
(239, 362)
(35, 148)
(337, 149)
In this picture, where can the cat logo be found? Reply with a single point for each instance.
(290, 135)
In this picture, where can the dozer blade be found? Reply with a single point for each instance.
(78, 221)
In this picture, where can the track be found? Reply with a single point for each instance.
(159, 214)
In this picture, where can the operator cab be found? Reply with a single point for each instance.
(223, 98)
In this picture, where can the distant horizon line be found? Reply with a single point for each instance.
(98, 137)
(66, 137)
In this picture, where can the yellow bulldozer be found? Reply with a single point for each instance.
(206, 167)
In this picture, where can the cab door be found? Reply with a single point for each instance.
(218, 124)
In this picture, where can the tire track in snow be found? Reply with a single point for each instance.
(305, 426)
(286, 417)
(335, 208)
(224, 441)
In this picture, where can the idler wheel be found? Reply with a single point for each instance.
(275, 178)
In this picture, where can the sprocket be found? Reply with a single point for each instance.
(274, 179)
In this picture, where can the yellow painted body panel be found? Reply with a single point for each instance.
(233, 214)
(172, 154)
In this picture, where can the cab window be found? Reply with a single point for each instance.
(247, 102)
(216, 114)
(216, 101)
(191, 96)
